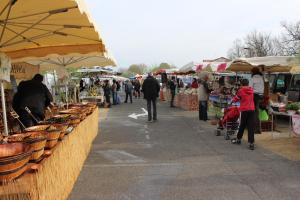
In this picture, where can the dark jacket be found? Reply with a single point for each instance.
(34, 95)
(107, 90)
(128, 88)
(150, 88)
(172, 86)
(137, 86)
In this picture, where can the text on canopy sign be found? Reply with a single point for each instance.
(5, 67)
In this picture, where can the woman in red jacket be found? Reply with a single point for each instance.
(245, 97)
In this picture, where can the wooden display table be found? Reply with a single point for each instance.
(58, 173)
(187, 101)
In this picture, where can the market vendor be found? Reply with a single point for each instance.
(34, 95)
(258, 87)
(195, 84)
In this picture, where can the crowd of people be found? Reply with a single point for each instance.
(112, 90)
(247, 94)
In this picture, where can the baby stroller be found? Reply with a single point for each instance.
(229, 124)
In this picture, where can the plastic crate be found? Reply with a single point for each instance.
(266, 126)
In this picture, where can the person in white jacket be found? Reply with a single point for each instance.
(258, 86)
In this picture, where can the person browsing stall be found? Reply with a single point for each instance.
(245, 97)
(34, 95)
(258, 86)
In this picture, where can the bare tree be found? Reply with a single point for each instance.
(256, 44)
(260, 44)
(290, 41)
(237, 50)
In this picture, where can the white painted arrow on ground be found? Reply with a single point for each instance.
(135, 116)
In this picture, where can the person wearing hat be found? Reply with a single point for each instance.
(151, 90)
(258, 86)
(34, 95)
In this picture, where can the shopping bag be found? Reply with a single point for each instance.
(263, 115)
(119, 100)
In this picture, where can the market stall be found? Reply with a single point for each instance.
(33, 29)
(268, 65)
(57, 170)
(53, 34)
(187, 100)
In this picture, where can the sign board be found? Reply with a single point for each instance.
(24, 71)
(5, 67)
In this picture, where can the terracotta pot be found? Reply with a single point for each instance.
(62, 135)
(37, 142)
(7, 151)
(74, 122)
(13, 160)
(51, 143)
(13, 174)
(37, 154)
(62, 127)
(53, 135)
(37, 128)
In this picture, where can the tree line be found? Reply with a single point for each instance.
(260, 44)
(143, 68)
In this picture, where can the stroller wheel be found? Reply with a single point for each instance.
(218, 132)
(227, 137)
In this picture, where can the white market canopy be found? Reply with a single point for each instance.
(95, 70)
(190, 67)
(268, 64)
(39, 29)
(35, 29)
(295, 70)
(172, 71)
(72, 61)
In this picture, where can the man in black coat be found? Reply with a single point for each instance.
(151, 90)
(173, 90)
(34, 95)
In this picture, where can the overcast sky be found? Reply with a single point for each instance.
(180, 31)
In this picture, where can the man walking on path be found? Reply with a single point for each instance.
(128, 91)
(173, 90)
(151, 92)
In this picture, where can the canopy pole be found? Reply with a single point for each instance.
(67, 96)
(4, 109)
(54, 87)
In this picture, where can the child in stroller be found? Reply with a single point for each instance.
(229, 123)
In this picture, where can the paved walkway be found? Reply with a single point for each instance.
(178, 157)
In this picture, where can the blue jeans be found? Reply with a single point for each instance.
(203, 110)
(114, 96)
